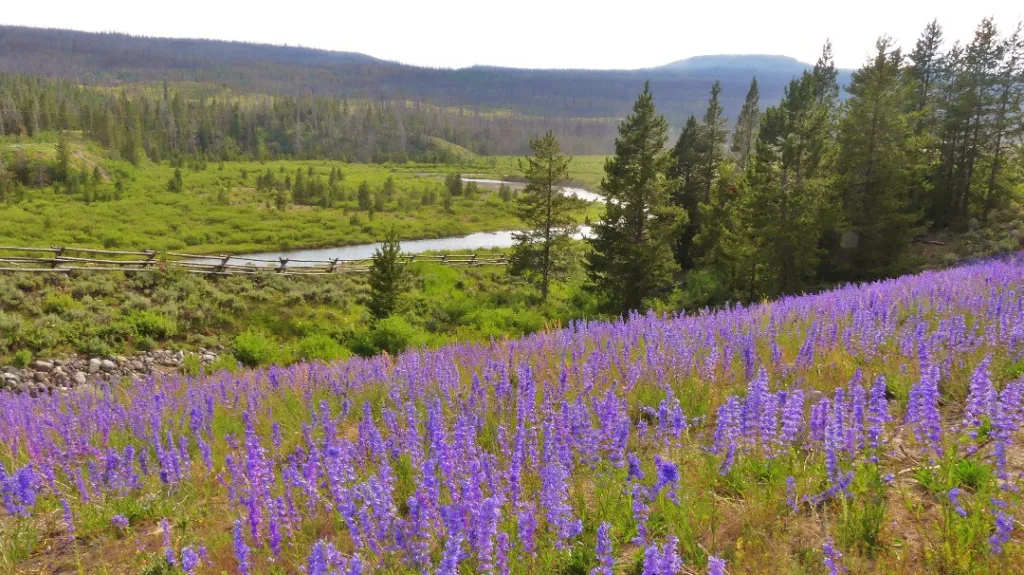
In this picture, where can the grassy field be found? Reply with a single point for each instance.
(586, 171)
(219, 209)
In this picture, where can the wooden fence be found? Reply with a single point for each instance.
(60, 259)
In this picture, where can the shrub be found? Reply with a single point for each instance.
(393, 335)
(319, 347)
(149, 323)
(254, 347)
(21, 358)
(58, 304)
(224, 362)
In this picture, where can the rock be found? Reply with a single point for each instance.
(10, 369)
(79, 378)
(208, 358)
(40, 377)
(94, 365)
(121, 360)
(137, 365)
(108, 365)
(40, 365)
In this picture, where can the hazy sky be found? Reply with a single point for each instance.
(532, 33)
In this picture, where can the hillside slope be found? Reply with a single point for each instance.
(681, 88)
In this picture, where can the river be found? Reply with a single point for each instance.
(578, 192)
(474, 241)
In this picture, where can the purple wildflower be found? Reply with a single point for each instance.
(1004, 527)
(954, 499)
(833, 559)
(168, 547)
(241, 548)
(605, 559)
(716, 565)
(190, 560)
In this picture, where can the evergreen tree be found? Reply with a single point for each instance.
(63, 167)
(176, 184)
(714, 135)
(364, 196)
(454, 184)
(777, 219)
(925, 66)
(873, 169)
(1007, 121)
(745, 133)
(965, 107)
(388, 190)
(692, 169)
(543, 252)
(686, 174)
(386, 276)
(632, 259)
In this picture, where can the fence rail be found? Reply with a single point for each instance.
(28, 259)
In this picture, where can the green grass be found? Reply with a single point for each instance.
(263, 319)
(221, 211)
(586, 171)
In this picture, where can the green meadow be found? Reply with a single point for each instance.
(220, 208)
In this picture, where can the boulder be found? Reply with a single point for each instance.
(40, 365)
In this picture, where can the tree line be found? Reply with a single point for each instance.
(115, 59)
(136, 123)
(804, 194)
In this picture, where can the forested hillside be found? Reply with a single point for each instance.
(117, 59)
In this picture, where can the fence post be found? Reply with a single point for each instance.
(223, 262)
(334, 264)
(151, 257)
(474, 259)
(58, 252)
(284, 262)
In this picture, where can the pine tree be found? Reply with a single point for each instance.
(388, 190)
(176, 184)
(632, 260)
(745, 133)
(686, 174)
(543, 252)
(364, 196)
(966, 105)
(777, 219)
(1007, 120)
(874, 171)
(714, 135)
(454, 184)
(926, 61)
(63, 167)
(386, 276)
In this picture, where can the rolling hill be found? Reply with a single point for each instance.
(110, 59)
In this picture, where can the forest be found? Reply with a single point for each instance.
(118, 60)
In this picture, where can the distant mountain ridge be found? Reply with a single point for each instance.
(759, 62)
(681, 88)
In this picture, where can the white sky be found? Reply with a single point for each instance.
(532, 33)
